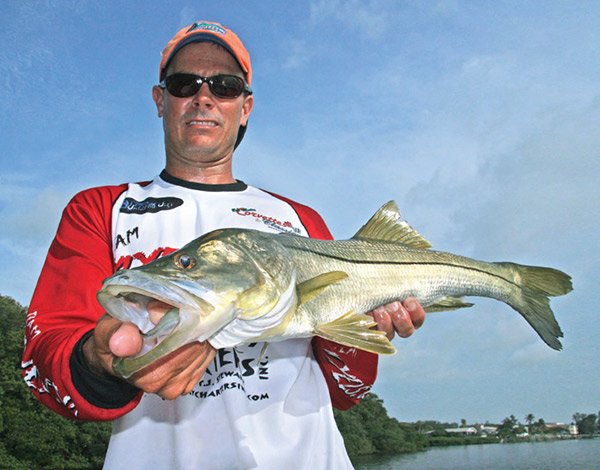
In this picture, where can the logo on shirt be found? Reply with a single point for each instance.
(271, 222)
(149, 205)
(237, 368)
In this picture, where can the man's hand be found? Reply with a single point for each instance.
(171, 376)
(399, 317)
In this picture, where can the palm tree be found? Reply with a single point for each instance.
(529, 418)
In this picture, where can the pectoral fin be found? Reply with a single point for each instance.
(354, 330)
(262, 352)
(447, 303)
(311, 288)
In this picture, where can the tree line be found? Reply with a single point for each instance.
(32, 436)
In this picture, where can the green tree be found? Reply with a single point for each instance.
(586, 423)
(540, 425)
(529, 419)
(32, 436)
(356, 437)
(509, 428)
(367, 428)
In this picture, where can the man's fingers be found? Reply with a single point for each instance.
(416, 312)
(176, 373)
(384, 322)
(401, 319)
(125, 341)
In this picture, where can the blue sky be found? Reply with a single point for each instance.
(479, 118)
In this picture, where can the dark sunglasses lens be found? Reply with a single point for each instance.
(182, 85)
(226, 86)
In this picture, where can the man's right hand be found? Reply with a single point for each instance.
(171, 376)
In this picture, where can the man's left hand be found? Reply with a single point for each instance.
(398, 317)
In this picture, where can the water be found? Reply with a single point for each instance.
(568, 454)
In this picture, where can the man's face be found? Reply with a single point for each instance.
(200, 131)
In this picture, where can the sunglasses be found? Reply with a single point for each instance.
(184, 85)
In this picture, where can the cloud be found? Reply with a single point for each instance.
(31, 203)
(30, 217)
(186, 16)
(369, 19)
(29, 214)
(420, 361)
(535, 354)
(298, 54)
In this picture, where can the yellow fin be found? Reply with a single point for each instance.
(387, 226)
(262, 352)
(311, 288)
(354, 330)
(447, 303)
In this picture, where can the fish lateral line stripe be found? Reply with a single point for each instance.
(418, 263)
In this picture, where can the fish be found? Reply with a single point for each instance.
(237, 286)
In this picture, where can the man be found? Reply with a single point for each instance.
(202, 408)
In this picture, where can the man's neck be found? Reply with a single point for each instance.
(219, 174)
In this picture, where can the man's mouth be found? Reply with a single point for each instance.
(202, 122)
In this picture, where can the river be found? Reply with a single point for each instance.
(549, 455)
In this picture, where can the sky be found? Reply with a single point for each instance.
(480, 119)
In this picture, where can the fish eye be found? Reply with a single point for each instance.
(184, 261)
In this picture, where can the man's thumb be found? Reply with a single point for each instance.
(125, 341)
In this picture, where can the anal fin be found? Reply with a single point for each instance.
(447, 303)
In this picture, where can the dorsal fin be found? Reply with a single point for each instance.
(386, 225)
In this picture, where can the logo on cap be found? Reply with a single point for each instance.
(215, 28)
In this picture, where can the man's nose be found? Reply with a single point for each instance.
(203, 96)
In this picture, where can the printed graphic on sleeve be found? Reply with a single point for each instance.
(347, 382)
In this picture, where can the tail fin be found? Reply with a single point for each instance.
(548, 280)
(537, 284)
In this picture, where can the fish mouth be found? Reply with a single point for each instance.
(131, 305)
(126, 296)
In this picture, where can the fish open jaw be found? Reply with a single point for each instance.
(126, 296)
(132, 306)
(197, 313)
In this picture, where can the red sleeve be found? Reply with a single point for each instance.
(349, 372)
(64, 306)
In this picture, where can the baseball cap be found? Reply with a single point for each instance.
(208, 31)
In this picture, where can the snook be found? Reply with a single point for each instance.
(235, 286)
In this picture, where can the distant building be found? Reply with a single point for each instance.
(488, 430)
(469, 431)
(573, 430)
(563, 429)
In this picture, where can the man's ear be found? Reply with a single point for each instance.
(158, 95)
(246, 109)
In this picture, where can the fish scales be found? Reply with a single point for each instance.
(397, 272)
(392, 272)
